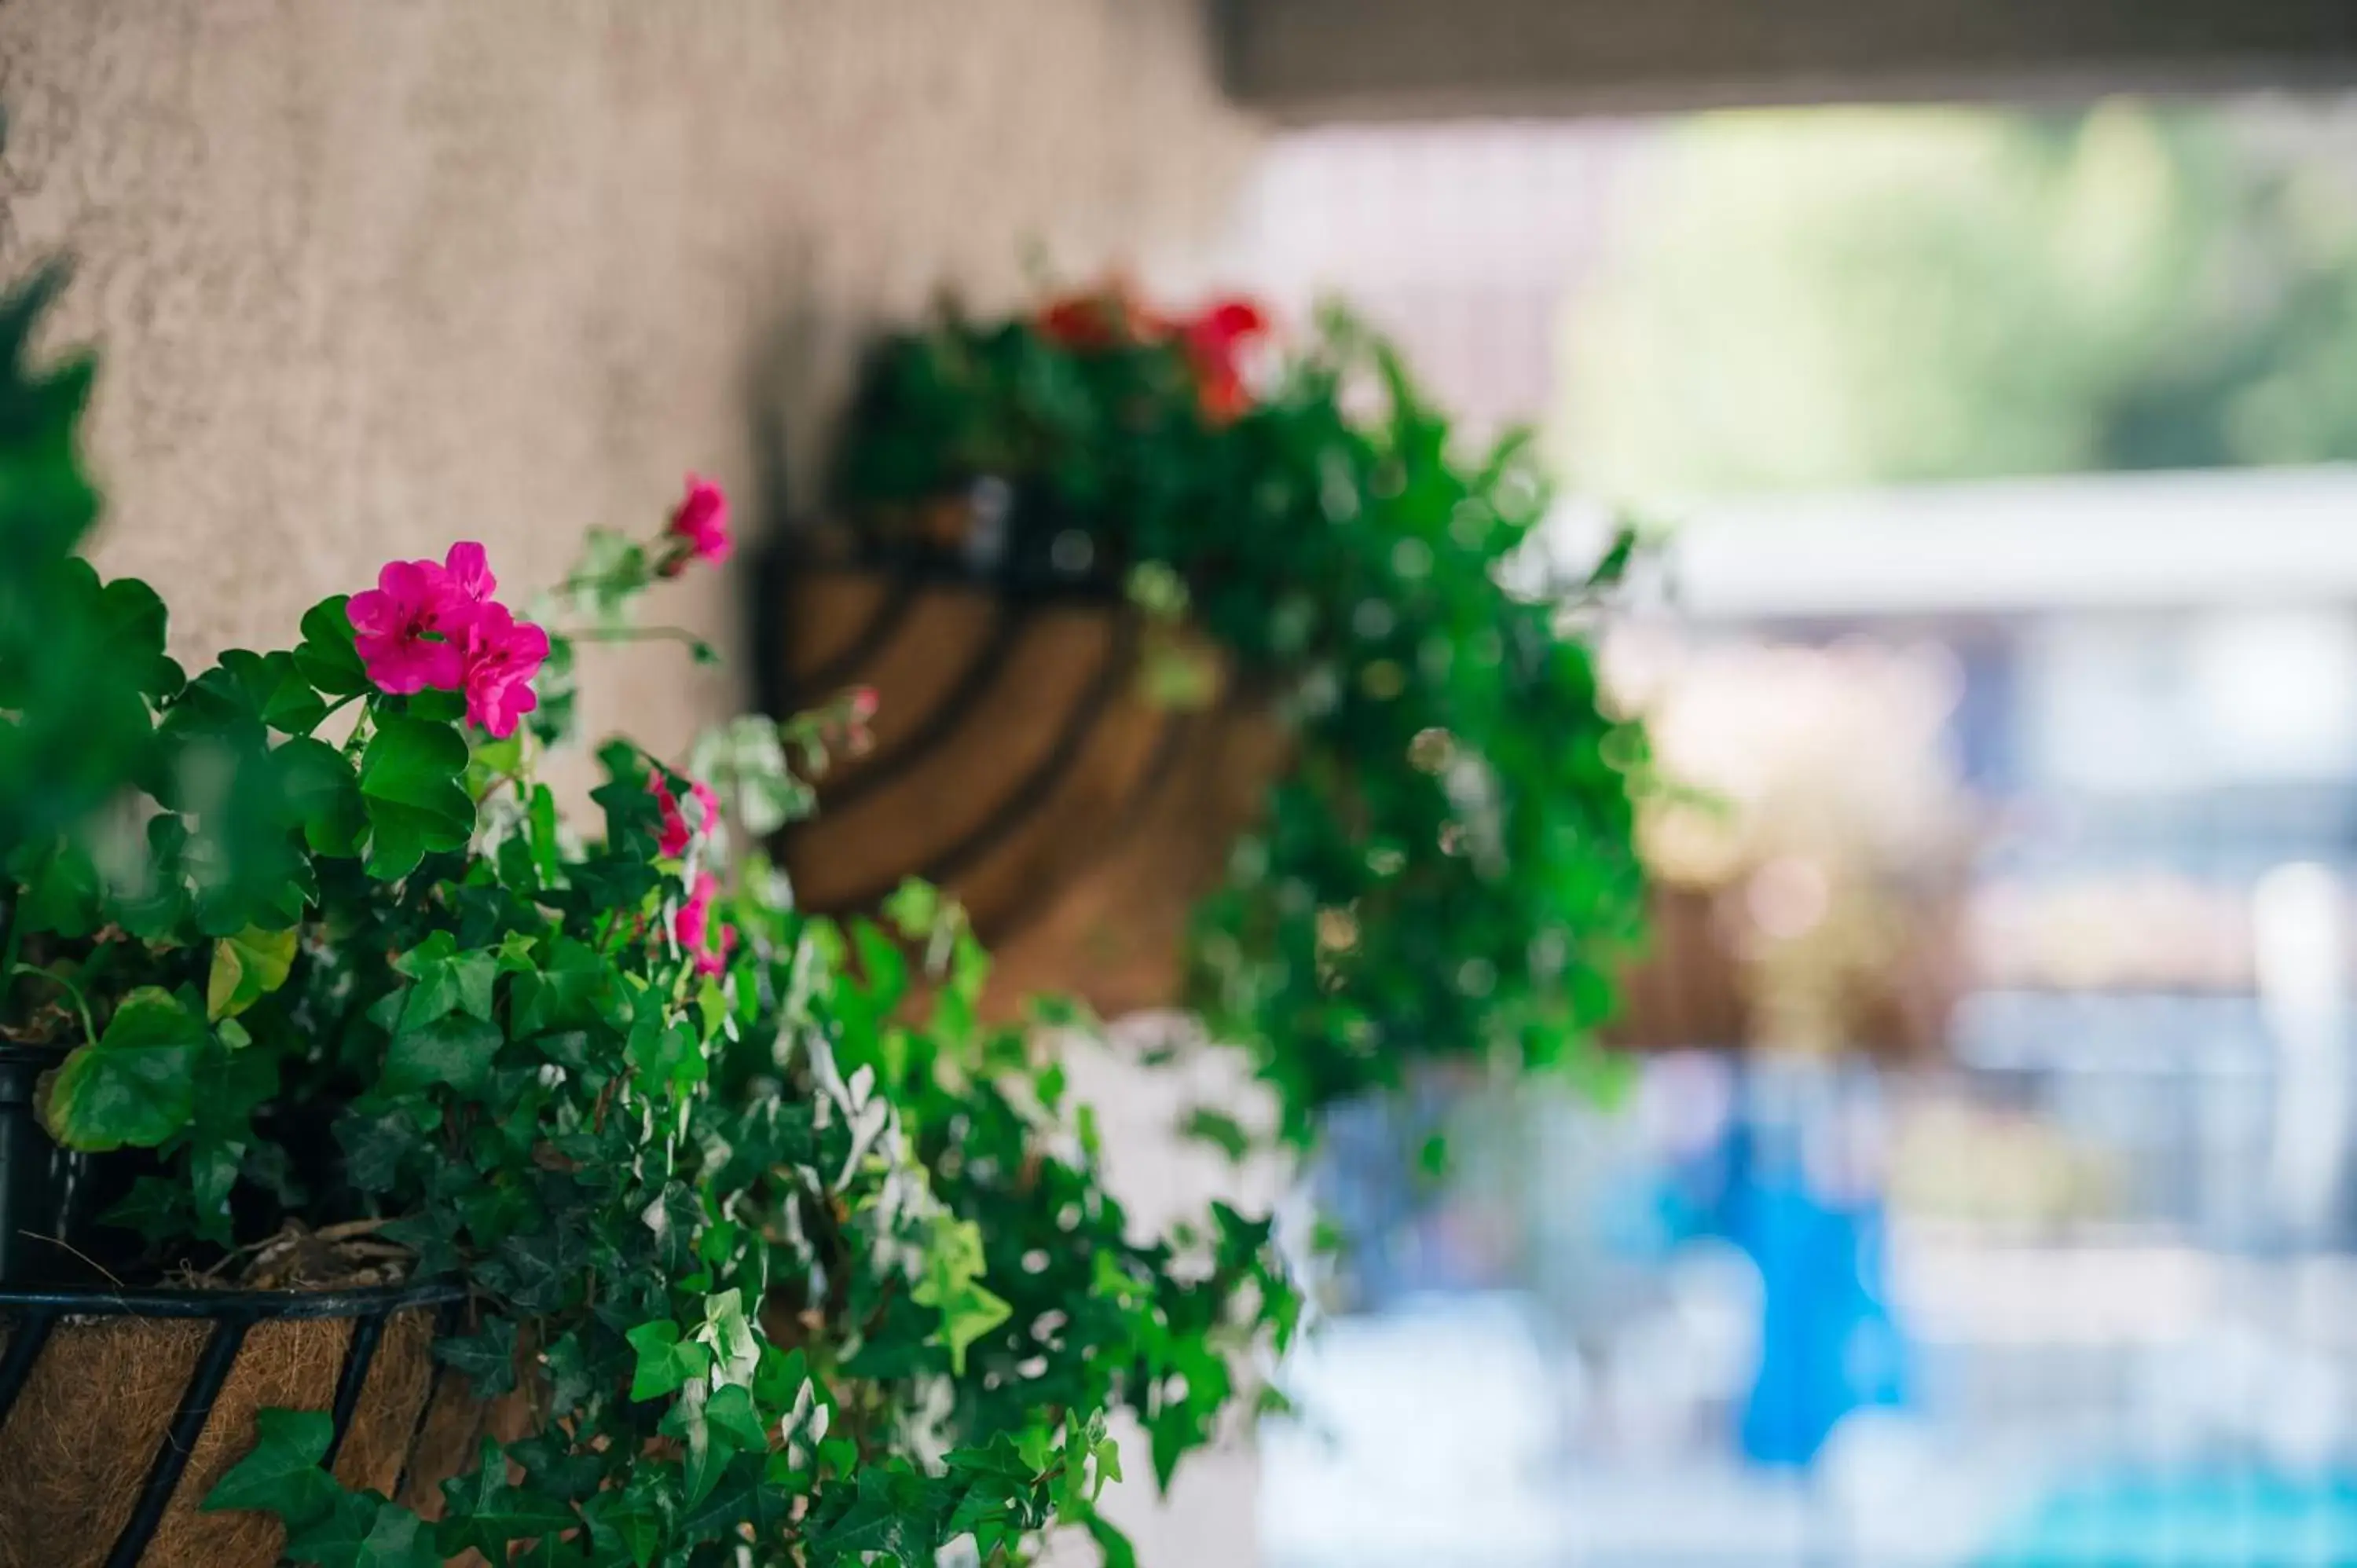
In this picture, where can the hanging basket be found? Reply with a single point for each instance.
(120, 1409)
(1021, 763)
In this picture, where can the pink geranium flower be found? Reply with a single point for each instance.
(677, 831)
(700, 525)
(404, 629)
(694, 926)
(502, 655)
(469, 572)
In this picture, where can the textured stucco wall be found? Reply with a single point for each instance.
(370, 277)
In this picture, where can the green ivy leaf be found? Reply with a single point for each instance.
(953, 1263)
(373, 1149)
(332, 1536)
(778, 1376)
(237, 699)
(552, 1462)
(364, 1530)
(274, 689)
(665, 1361)
(915, 909)
(435, 706)
(410, 788)
(541, 834)
(568, 994)
(885, 1523)
(708, 1453)
(484, 1513)
(246, 968)
(327, 657)
(282, 1475)
(455, 1051)
(1223, 1132)
(538, 1270)
(674, 1216)
(1106, 1453)
(59, 888)
(323, 795)
(728, 1332)
(730, 1410)
(494, 757)
(214, 1165)
(487, 1357)
(448, 980)
(966, 1315)
(667, 1055)
(135, 1084)
(881, 963)
(154, 1207)
(622, 1530)
(1110, 1543)
(132, 619)
(737, 1498)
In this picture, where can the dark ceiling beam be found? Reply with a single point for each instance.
(1337, 59)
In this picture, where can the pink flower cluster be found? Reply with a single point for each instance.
(698, 529)
(428, 627)
(677, 831)
(708, 942)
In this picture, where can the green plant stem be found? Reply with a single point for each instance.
(583, 582)
(498, 782)
(82, 1003)
(332, 709)
(638, 634)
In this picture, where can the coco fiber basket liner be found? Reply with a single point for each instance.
(119, 1411)
(1022, 763)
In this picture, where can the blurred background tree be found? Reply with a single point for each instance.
(1891, 294)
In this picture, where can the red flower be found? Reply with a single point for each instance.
(1214, 340)
(1103, 318)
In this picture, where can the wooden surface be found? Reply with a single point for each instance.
(1345, 59)
(1693, 987)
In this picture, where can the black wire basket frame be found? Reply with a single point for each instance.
(32, 1314)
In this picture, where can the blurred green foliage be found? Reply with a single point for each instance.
(77, 657)
(1838, 296)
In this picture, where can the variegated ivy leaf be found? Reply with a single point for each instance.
(246, 968)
